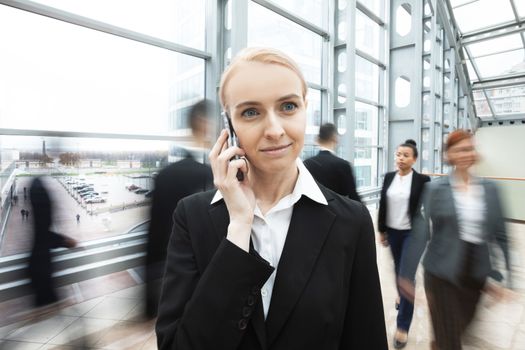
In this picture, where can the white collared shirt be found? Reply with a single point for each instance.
(470, 208)
(269, 231)
(398, 199)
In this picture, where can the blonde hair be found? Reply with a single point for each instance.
(261, 55)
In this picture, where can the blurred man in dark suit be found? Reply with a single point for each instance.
(328, 169)
(40, 266)
(176, 181)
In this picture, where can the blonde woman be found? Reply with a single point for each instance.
(274, 261)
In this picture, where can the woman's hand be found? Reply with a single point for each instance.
(238, 196)
(407, 288)
(383, 239)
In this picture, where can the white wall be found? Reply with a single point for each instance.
(502, 151)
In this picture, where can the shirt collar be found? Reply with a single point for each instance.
(326, 149)
(305, 185)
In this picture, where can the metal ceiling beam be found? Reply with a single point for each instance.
(499, 82)
(296, 19)
(497, 28)
(86, 22)
(517, 17)
(476, 69)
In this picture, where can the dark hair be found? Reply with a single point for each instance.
(327, 132)
(200, 110)
(410, 144)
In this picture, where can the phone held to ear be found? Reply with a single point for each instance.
(232, 140)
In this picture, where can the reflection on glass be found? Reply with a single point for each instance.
(482, 14)
(104, 181)
(179, 21)
(59, 76)
(365, 166)
(502, 63)
(482, 108)
(367, 34)
(367, 79)
(488, 47)
(313, 112)
(310, 10)
(266, 28)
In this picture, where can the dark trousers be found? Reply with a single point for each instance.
(398, 242)
(452, 306)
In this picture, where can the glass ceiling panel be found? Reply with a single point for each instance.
(483, 14)
(482, 108)
(501, 64)
(471, 72)
(508, 105)
(488, 47)
(520, 6)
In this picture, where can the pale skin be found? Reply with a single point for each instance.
(268, 112)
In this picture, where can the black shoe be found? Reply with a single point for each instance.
(399, 344)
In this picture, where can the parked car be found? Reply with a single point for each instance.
(95, 200)
(141, 191)
(86, 194)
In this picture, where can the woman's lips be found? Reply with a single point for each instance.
(276, 150)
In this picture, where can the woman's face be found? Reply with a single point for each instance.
(463, 154)
(268, 112)
(405, 158)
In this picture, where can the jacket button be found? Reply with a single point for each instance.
(243, 324)
(251, 300)
(246, 311)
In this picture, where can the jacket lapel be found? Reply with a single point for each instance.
(309, 227)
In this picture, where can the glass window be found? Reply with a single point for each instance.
(367, 34)
(482, 14)
(313, 112)
(105, 168)
(180, 21)
(501, 63)
(267, 28)
(366, 121)
(493, 46)
(310, 10)
(374, 5)
(365, 166)
(520, 6)
(482, 108)
(367, 79)
(509, 100)
(58, 76)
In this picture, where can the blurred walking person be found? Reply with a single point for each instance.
(40, 267)
(462, 216)
(330, 170)
(173, 183)
(400, 197)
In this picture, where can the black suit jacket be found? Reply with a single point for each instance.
(333, 172)
(326, 293)
(418, 182)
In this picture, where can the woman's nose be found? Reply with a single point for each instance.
(273, 127)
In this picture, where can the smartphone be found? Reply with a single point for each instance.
(232, 140)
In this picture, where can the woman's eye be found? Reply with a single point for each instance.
(289, 106)
(249, 113)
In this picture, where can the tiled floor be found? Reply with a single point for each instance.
(105, 313)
